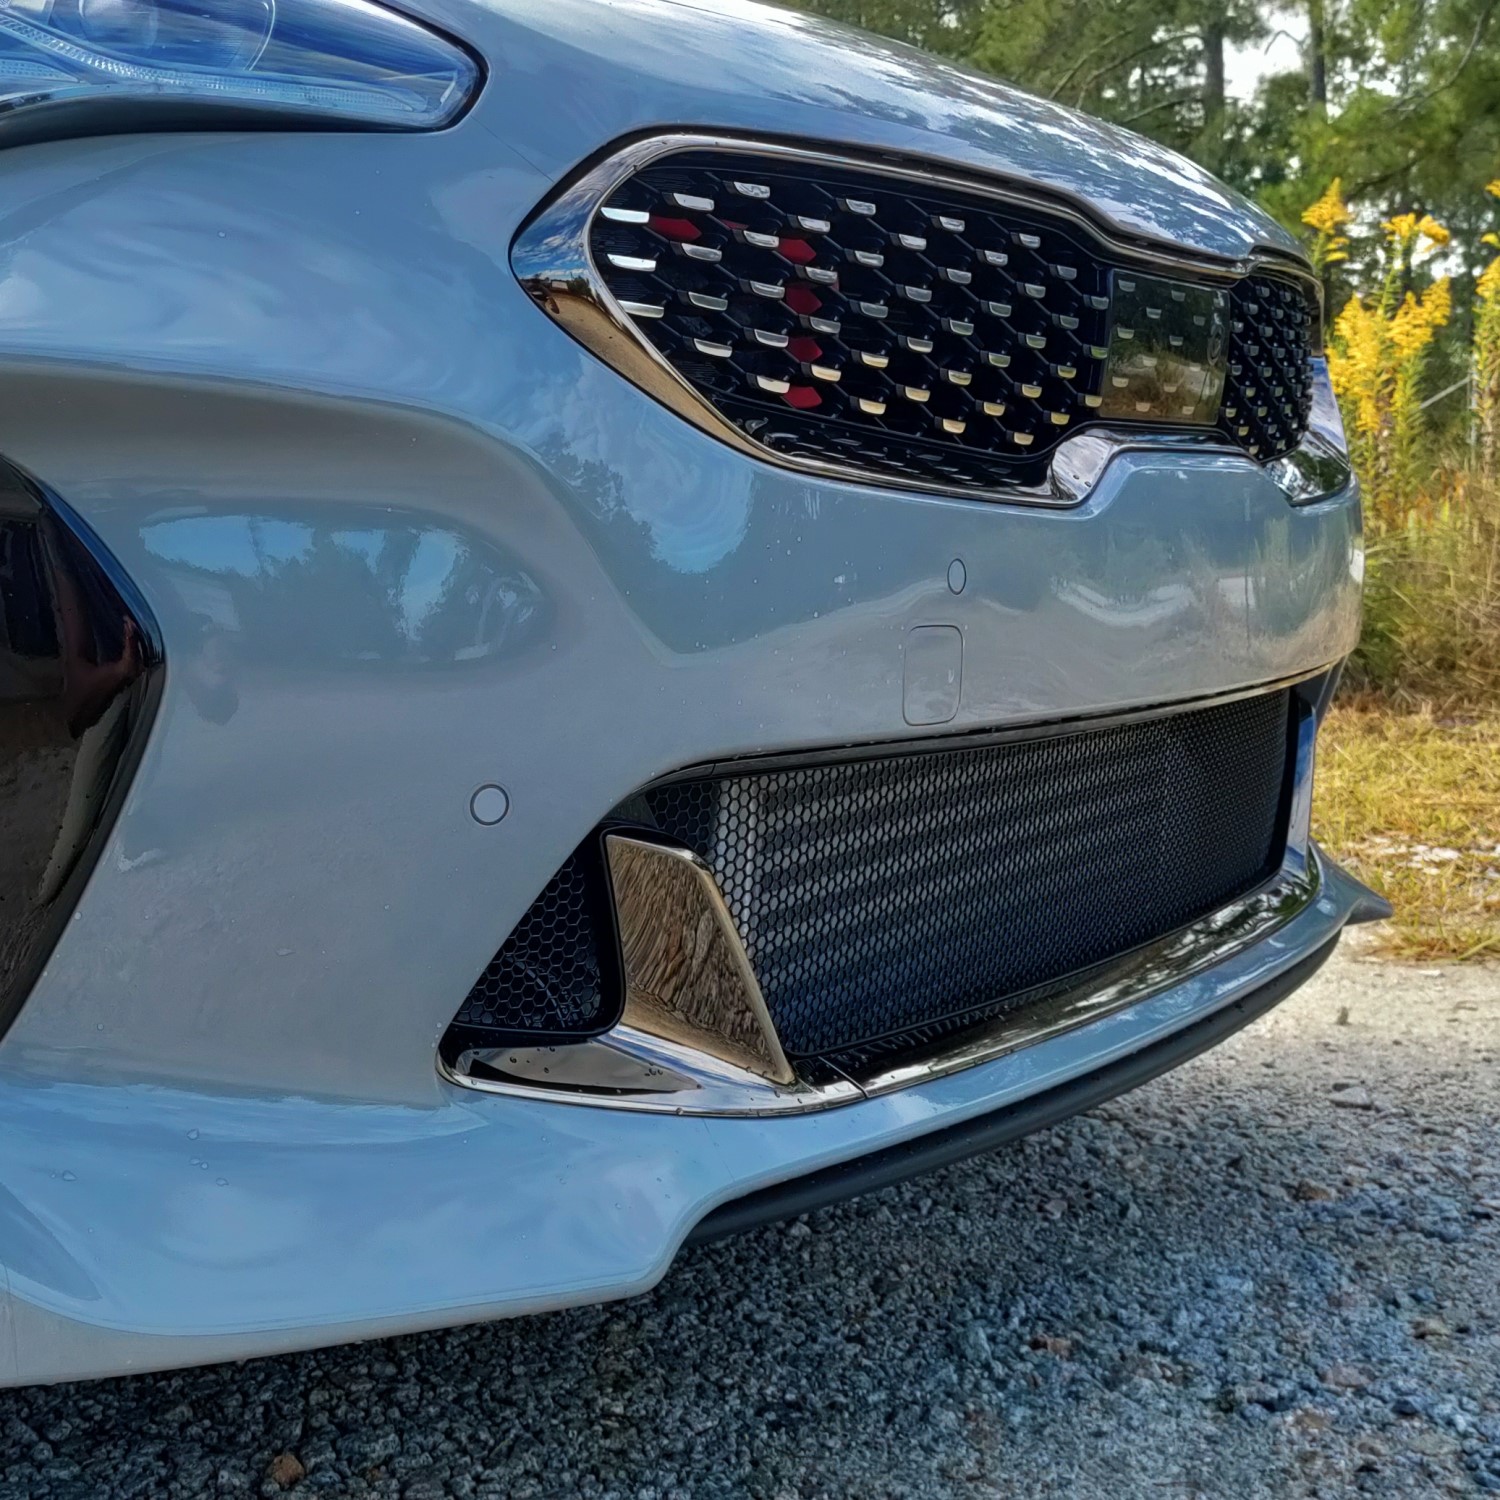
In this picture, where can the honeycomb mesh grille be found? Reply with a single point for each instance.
(902, 329)
(891, 900)
(548, 979)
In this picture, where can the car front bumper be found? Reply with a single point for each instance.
(222, 1128)
(149, 1226)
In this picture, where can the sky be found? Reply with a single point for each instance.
(1246, 66)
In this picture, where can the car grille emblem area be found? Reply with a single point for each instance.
(901, 327)
(1166, 351)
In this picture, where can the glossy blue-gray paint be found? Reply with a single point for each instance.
(149, 1226)
(404, 537)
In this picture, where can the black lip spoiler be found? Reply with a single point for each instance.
(881, 1169)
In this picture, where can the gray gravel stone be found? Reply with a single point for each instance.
(1217, 1285)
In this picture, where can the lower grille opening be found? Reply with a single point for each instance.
(555, 978)
(889, 901)
(885, 902)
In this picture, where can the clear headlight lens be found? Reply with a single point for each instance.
(70, 65)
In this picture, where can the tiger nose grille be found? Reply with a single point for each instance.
(893, 899)
(893, 328)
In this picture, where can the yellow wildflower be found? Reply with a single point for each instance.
(1405, 231)
(1402, 229)
(1328, 216)
(1357, 365)
(1429, 228)
(1487, 364)
(1330, 213)
(1419, 318)
(1494, 187)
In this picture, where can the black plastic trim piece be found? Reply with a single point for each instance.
(882, 1169)
(81, 674)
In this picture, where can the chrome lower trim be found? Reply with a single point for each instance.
(632, 1068)
(552, 259)
(696, 1038)
(1318, 469)
(688, 980)
(1136, 976)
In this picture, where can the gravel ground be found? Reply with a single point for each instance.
(1274, 1272)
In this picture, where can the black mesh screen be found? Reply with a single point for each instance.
(913, 330)
(887, 902)
(553, 978)
(914, 893)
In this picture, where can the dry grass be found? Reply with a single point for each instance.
(1432, 600)
(1411, 802)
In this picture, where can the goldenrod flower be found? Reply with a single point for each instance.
(1487, 361)
(1418, 319)
(1405, 230)
(1328, 216)
(1401, 230)
(1330, 213)
(1429, 228)
(1358, 366)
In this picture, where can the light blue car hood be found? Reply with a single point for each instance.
(568, 77)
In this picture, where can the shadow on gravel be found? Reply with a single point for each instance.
(1224, 1284)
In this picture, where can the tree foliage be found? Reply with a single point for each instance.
(1399, 98)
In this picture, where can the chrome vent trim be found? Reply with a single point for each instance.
(555, 256)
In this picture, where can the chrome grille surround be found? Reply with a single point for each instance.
(994, 413)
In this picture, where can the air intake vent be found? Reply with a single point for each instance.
(1269, 390)
(925, 334)
(554, 978)
(885, 903)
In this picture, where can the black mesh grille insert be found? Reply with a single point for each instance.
(917, 331)
(888, 902)
(895, 899)
(552, 978)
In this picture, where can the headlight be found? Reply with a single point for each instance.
(86, 66)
